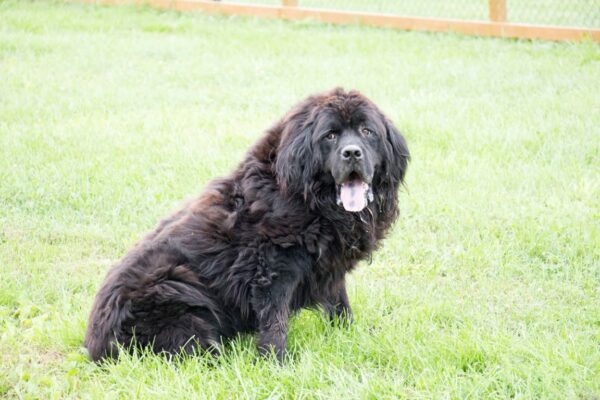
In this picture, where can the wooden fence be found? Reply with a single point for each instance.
(497, 25)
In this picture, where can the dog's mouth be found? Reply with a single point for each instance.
(354, 194)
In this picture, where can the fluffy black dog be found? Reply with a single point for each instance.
(313, 197)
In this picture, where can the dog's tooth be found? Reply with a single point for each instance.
(370, 196)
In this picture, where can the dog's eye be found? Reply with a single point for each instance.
(331, 135)
(366, 131)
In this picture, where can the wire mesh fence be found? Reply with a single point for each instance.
(585, 13)
(577, 13)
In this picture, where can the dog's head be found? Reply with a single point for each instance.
(340, 145)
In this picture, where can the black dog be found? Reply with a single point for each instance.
(312, 198)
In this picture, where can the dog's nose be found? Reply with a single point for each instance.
(351, 152)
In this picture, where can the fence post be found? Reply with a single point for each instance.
(497, 10)
(289, 3)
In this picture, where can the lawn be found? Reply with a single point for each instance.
(488, 286)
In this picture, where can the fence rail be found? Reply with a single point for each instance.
(575, 20)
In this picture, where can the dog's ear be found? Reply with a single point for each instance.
(396, 157)
(397, 154)
(296, 165)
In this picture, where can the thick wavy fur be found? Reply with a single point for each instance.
(273, 237)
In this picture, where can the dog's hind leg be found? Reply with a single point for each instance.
(185, 334)
(175, 313)
(169, 310)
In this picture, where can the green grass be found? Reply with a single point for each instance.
(488, 286)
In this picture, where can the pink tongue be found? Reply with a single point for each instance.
(354, 195)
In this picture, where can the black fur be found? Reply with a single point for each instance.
(261, 243)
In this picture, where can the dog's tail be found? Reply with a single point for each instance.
(110, 310)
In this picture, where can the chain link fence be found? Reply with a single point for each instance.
(575, 13)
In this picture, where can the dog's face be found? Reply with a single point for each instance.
(341, 139)
(351, 147)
